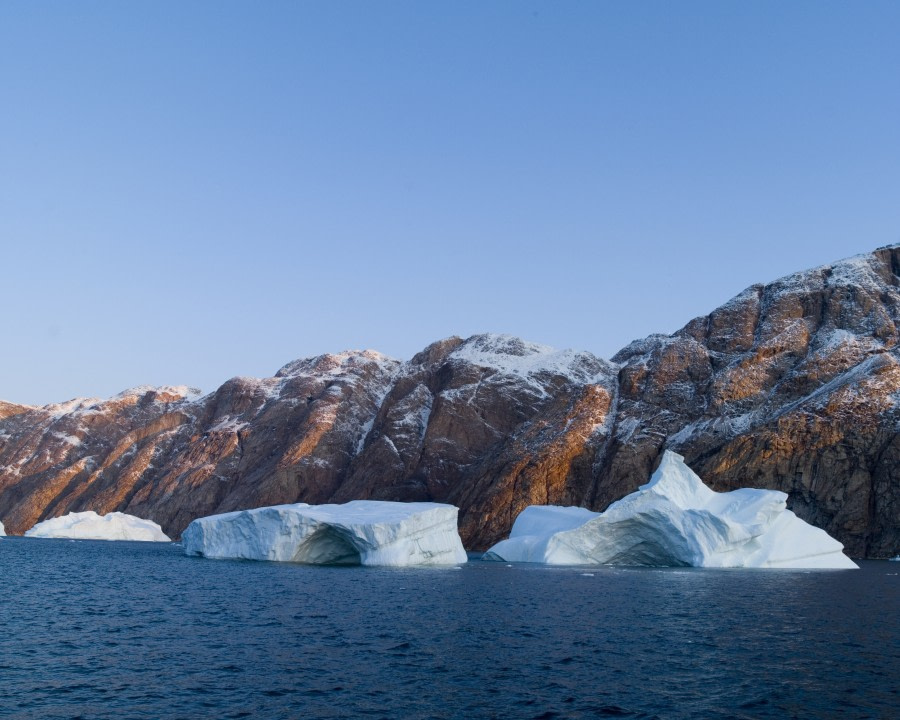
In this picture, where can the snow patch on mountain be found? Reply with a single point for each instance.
(229, 424)
(530, 364)
(69, 439)
(69, 407)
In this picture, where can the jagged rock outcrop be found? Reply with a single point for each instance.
(790, 386)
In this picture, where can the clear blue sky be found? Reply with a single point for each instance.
(195, 190)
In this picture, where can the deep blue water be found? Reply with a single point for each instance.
(136, 630)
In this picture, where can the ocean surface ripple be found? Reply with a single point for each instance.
(136, 630)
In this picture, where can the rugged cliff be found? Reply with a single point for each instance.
(791, 386)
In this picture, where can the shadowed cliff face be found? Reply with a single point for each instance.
(791, 386)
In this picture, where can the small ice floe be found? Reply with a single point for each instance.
(89, 525)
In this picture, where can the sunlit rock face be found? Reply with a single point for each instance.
(89, 525)
(175, 455)
(674, 520)
(362, 532)
(789, 386)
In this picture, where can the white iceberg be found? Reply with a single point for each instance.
(89, 525)
(361, 532)
(2, 530)
(674, 520)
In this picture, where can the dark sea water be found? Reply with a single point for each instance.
(136, 630)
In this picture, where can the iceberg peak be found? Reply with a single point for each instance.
(675, 480)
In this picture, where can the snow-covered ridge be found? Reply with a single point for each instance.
(860, 272)
(361, 532)
(89, 525)
(336, 364)
(503, 353)
(69, 407)
(343, 367)
(175, 391)
(674, 520)
(511, 355)
(86, 406)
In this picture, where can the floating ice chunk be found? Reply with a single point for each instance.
(2, 530)
(91, 526)
(674, 520)
(361, 532)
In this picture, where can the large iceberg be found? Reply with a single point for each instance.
(674, 520)
(89, 525)
(361, 532)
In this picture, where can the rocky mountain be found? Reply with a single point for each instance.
(792, 386)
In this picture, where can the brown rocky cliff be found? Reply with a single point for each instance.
(792, 385)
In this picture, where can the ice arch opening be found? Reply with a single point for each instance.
(649, 554)
(327, 546)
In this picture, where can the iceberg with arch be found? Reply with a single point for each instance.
(360, 532)
(674, 520)
(89, 525)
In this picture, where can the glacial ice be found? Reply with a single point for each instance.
(360, 532)
(674, 520)
(2, 530)
(89, 525)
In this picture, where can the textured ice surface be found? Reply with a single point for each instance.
(361, 532)
(674, 520)
(91, 526)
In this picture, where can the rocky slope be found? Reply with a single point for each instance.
(791, 386)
